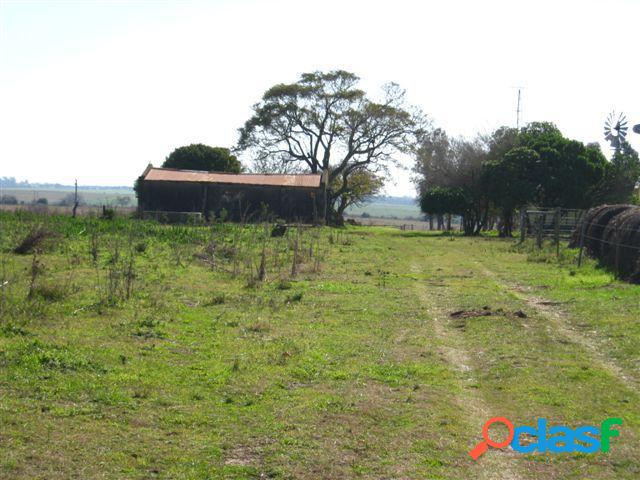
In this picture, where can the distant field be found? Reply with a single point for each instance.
(383, 207)
(91, 197)
(399, 208)
(387, 209)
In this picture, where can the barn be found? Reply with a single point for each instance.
(171, 194)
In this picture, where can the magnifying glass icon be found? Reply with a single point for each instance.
(482, 447)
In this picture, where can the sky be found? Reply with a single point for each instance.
(96, 90)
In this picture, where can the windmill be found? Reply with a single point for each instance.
(615, 129)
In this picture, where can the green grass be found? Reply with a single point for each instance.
(351, 370)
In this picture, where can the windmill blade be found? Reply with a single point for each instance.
(636, 129)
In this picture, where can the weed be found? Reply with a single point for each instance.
(296, 297)
(141, 247)
(35, 240)
(35, 271)
(217, 299)
(148, 328)
(11, 330)
(258, 327)
(50, 292)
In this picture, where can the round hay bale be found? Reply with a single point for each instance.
(624, 256)
(586, 220)
(610, 238)
(594, 230)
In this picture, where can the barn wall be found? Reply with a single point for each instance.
(237, 202)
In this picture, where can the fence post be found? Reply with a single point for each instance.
(582, 229)
(523, 224)
(540, 227)
(557, 231)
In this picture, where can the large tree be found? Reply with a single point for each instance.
(511, 168)
(567, 172)
(324, 123)
(621, 176)
(445, 200)
(360, 185)
(449, 173)
(203, 157)
(510, 183)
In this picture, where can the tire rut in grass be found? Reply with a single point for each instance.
(495, 464)
(553, 312)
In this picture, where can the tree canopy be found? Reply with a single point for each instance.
(514, 167)
(203, 157)
(449, 174)
(510, 182)
(621, 176)
(325, 123)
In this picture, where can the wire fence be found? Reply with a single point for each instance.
(613, 243)
(543, 223)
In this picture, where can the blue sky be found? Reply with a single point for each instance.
(96, 90)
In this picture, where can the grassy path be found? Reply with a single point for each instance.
(358, 371)
(475, 409)
(557, 318)
(532, 366)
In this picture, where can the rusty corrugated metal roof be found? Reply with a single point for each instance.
(274, 180)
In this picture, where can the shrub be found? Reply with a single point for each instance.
(51, 292)
(296, 297)
(141, 247)
(34, 240)
(108, 213)
(8, 200)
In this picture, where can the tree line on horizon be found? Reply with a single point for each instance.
(493, 175)
(325, 124)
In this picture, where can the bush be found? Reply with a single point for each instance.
(8, 200)
(141, 247)
(70, 198)
(50, 292)
(34, 240)
(108, 213)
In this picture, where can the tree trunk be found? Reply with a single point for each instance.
(506, 227)
(448, 222)
(430, 222)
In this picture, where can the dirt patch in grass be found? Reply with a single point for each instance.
(243, 456)
(471, 313)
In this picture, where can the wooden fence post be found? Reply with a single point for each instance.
(75, 200)
(540, 227)
(557, 231)
(582, 229)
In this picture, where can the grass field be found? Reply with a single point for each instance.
(385, 208)
(192, 367)
(92, 197)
